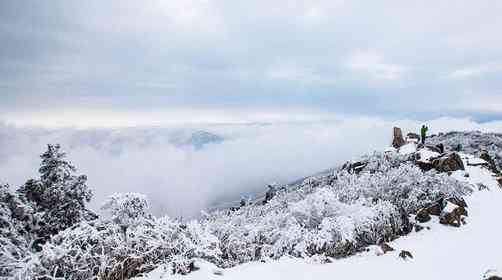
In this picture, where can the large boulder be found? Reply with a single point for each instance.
(448, 163)
(397, 139)
(499, 180)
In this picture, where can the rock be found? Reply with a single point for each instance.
(492, 274)
(424, 166)
(407, 226)
(440, 146)
(397, 139)
(459, 201)
(434, 149)
(423, 216)
(453, 218)
(448, 163)
(386, 247)
(436, 208)
(218, 272)
(418, 228)
(405, 254)
(354, 167)
(499, 180)
(491, 163)
(482, 187)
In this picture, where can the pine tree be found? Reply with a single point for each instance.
(59, 196)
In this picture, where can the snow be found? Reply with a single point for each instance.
(408, 149)
(443, 252)
(476, 161)
(426, 155)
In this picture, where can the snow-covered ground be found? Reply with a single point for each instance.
(443, 252)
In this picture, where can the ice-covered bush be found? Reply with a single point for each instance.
(127, 210)
(97, 251)
(406, 187)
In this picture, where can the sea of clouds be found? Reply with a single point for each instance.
(182, 180)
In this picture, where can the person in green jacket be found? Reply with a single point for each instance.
(423, 133)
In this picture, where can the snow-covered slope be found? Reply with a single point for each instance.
(441, 252)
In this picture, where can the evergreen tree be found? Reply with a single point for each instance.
(59, 196)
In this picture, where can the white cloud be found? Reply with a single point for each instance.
(182, 181)
(475, 71)
(374, 65)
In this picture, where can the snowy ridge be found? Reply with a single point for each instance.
(442, 252)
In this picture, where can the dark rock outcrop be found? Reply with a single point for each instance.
(397, 139)
(448, 163)
(453, 218)
(436, 208)
(459, 201)
(424, 165)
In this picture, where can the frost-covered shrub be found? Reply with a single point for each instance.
(333, 215)
(316, 224)
(127, 210)
(406, 187)
(97, 251)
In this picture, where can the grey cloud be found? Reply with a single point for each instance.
(226, 55)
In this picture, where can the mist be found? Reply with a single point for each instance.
(181, 180)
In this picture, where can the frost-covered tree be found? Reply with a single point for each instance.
(59, 197)
(14, 238)
(127, 209)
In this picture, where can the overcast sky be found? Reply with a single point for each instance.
(151, 62)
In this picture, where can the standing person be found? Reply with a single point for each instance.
(423, 133)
